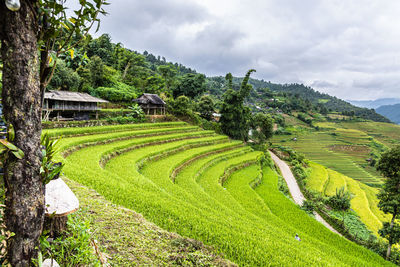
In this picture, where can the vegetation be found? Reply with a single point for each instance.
(234, 116)
(389, 196)
(27, 68)
(210, 188)
(220, 194)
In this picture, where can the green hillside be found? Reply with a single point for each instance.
(110, 71)
(265, 91)
(204, 186)
(346, 152)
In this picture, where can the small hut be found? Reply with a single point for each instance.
(151, 104)
(73, 105)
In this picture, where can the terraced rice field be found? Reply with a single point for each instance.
(387, 133)
(204, 186)
(328, 149)
(364, 201)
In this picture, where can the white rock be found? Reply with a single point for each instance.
(60, 200)
(50, 263)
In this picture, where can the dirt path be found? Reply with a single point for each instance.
(294, 188)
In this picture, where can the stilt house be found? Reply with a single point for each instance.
(70, 105)
(151, 104)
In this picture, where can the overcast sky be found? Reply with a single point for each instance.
(346, 48)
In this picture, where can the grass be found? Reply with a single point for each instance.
(317, 146)
(318, 177)
(364, 201)
(106, 129)
(343, 149)
(141, 242)
(247, 218)
(336, 180)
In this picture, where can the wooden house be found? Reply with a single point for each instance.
(70, 105)
(151, 104)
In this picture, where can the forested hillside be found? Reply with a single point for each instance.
(110, 71)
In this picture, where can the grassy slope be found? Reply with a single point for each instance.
(343, 148)
(141, 242)
(250, 230)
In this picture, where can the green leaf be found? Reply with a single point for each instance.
(8, 145)
(18, 154)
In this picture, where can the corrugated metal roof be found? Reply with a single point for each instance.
(72, 96)
(149, 98)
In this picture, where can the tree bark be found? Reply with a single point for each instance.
(389, 249)
(24, 201)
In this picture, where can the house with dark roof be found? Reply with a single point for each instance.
(70, 105)
(151, 104)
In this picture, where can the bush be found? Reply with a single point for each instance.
(308, 206)
(341, 200)
(136, 112)
(73, 247)
(119, 93)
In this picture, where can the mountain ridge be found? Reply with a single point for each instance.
(375, 103)
(392, 112)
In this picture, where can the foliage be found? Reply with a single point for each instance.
(190, 85)
(308, 206)
(390, 232)
(341, 200)
(74, 246)
(120, 93)
(234, 115)
(206, 107)
(180, 106)
(237, 220)
(168, 73)
(59, 33)
(389, 196)
(49, 169)
(136, 112)
(262, 127)
(64, 78)
(289, 97)
(96, 68)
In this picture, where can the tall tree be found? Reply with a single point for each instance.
(190, 85)
(262, 127)
(235, 116)
(168, 72)
(24, 201)
(36, 24)
(389, 196)
(206, 107)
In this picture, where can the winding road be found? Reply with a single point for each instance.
(294, 188)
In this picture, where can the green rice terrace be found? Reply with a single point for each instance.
(204, 186)
(341, 155)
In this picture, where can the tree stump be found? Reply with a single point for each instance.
(60, 201)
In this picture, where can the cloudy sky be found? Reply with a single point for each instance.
(347, 48)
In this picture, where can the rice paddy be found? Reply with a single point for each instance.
(339, 153)
(207, 187)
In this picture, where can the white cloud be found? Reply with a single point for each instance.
(346, 48)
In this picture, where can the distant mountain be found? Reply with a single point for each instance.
(390, 111)
(375, 103)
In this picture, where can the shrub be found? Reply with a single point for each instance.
(119, 93)
(341, 200)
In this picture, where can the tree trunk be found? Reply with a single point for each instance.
(389, 249)
(24, 201)
(390, 239)
(126, 70)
